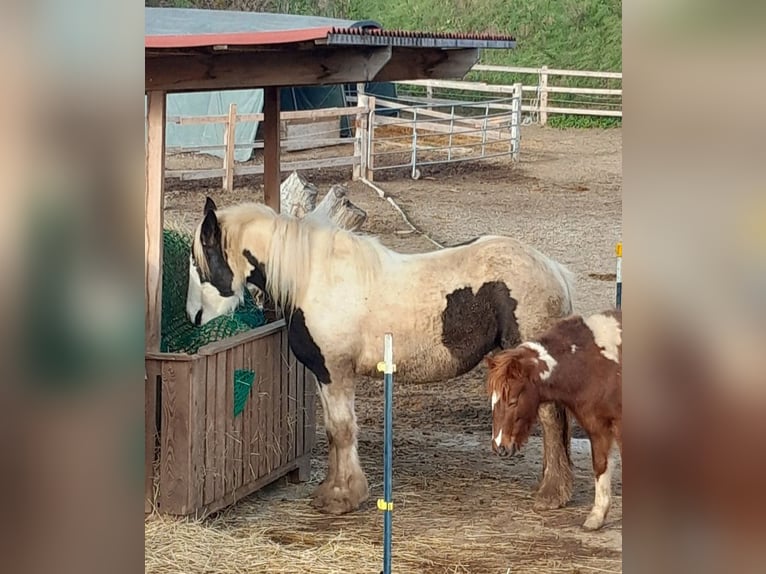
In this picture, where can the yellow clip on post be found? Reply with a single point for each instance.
(618, 249)
(382, 367)
(383, 505)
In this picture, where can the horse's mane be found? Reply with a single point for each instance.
(295, 248)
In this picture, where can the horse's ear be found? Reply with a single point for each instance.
(517, 367)
(210, 232)
(209, 205)
(490, 361)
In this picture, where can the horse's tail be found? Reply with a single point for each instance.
(567, 279)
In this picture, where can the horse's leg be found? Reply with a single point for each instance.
(555, 488)
(600, 445)
(345, 486)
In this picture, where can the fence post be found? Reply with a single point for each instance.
(543, 95)
(414, 173)
(516, 121)
(429, 95)
(360, 136)
(228, 137)
(370, 139)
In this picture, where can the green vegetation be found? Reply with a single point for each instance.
(569, 34)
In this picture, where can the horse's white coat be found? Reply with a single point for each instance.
(603, 499)
(607, 334)
(352, 289)
(544, 356)
(499, 437)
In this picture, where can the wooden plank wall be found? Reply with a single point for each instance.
(207, 457)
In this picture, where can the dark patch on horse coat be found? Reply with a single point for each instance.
(221, 275)
(304, 348)
(257, 277)
(474, 324)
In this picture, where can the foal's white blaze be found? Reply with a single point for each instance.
(545, 357)
(495, 398)
(603, 498)
(607, 334)
(499, 437)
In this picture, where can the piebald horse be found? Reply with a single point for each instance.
(341, 292)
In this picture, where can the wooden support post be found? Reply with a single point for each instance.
(543, 95)
(370, 176)
(516, 121)
(271, 169)
(228, 159)
(153, 199)
(360, 136)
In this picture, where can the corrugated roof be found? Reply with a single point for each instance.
(191, 21)
(191, 28)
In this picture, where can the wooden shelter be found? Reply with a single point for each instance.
(249, 50)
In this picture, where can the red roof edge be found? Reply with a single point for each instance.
(236, 39)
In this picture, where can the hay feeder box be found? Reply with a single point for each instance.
(200, 456)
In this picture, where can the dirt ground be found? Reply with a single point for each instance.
(458, 508)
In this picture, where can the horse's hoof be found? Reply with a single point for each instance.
(550, 499)
(593, 523)
(335, 501)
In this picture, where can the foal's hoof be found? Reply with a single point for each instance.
(336, 500)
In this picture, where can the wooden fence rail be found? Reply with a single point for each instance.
(540, 103)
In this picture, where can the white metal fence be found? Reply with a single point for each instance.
(415, 135)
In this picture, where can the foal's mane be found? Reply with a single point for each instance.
(294, 249)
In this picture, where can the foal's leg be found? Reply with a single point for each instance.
(556, 486)
(603, 464)
(345, 486)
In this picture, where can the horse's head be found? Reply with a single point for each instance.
(214, 289)
(515, 397)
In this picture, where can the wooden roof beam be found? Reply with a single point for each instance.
(435, 63)
(244, 70)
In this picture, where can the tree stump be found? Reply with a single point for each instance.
(298, 198)
(337, 207)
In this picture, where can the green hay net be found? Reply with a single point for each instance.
(179, 334)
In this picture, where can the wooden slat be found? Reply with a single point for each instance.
(300, 397)
(288, 425)
(262, 377)
(267, 407)
(550, 71)
(294, 414)
(310, 431)
(211, 440)
(197, 400)
(175, 464)
(153, 200)
(229, 458)
(151, 432)
(239, 363)
(231, 342)
(220, 424)
(285, 116)
(250, 459)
